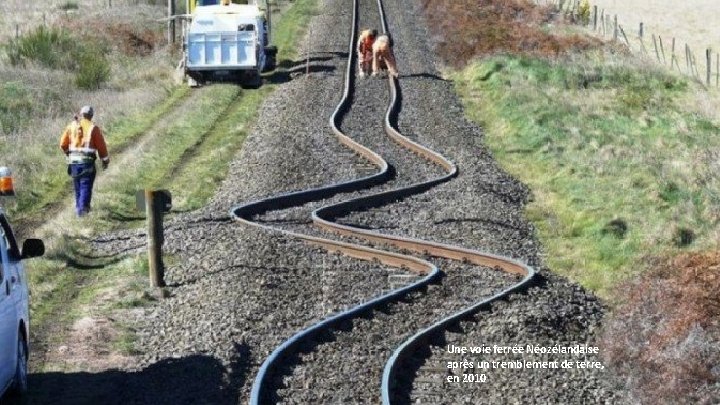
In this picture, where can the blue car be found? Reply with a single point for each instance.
(14, 311)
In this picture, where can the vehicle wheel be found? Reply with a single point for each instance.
(270, 64)
(20, 384)
(270, 58)
(271, 50)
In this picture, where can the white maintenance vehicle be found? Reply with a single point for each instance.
(228, 40)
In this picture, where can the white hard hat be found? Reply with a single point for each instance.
(87, 110)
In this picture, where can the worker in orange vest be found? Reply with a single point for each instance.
(82, 141)
(382, 56)
(365, 52)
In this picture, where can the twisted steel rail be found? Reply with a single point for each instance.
(324, 218)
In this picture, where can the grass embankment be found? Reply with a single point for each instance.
(622, 161)
(186, 152)
(619, 160)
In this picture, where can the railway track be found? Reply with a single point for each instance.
(471, 279)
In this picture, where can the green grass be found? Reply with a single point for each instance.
(194, 183)
(170, 148)
(600, 143)
(68, 285)
(58, 49)
(68, 5)
(50, 47)
(16, 106)
(291, 27)
(93, 69)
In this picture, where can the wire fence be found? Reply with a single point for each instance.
(668, 52)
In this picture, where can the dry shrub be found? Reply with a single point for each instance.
(469, 28)
(135, 41)
(124, 37)
(665, 336)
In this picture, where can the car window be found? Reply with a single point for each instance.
(9, 238)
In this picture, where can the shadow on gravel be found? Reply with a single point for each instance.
(291, 64)
(73, 251)
(122, 216)
(197, 379)
(424, 75)
(284, 76)
(290, 69)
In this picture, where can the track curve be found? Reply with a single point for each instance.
(325, 218)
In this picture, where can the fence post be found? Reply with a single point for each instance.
(662, 49)
(657, 53)
(641, 30)
(642, 41)
(576, 8)
(155, 239)
(595, 20)
(615, 28)
(693, 64)
(672, 56)
(687, 59)
(708, 65)
(622, 31)
(171, 22)
(717, 70)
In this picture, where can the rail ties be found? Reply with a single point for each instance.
(412, 298)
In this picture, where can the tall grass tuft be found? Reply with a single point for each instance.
(57, 49)
(92, 71)
(49, 47)
(15, 106)
(69, 5)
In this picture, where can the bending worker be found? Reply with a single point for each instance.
(365, 51)
(382, 55)
(82, 141)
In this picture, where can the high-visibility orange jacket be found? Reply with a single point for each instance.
(383, 55)
(83, 138)
(365, 42)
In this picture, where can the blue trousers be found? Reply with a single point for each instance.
(83, 175)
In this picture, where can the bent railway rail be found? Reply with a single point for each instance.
(324, 218)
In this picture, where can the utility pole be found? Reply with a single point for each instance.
(171, 22)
